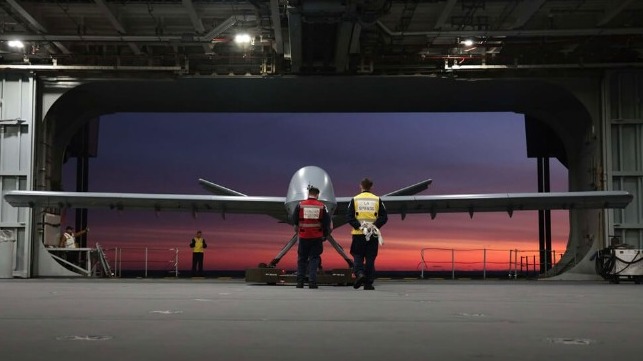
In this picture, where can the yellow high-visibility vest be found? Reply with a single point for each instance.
(198, 245)
(367, 206)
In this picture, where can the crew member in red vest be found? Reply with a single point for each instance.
(312, 223)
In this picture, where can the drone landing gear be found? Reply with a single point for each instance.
(270, 274)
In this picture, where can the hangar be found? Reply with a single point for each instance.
(572, 68)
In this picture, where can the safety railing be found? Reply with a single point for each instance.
(144, 259)
(516, 262)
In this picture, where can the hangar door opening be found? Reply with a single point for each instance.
(257, 153)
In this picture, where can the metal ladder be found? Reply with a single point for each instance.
(107, 270)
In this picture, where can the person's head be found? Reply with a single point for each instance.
(366, 184)
(313, 192)
(69, 229)
(198, 233)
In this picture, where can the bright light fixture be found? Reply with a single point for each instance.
(467, 42)
(16, 44)
(242, 38)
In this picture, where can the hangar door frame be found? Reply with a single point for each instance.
(26, 101)
(17, 134)
(624, 151)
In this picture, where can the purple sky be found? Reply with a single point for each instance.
(257, 154)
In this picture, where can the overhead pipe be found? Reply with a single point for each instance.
(89, 67)
(545, 66)
(229, 22)
(514, 33)
(207, 37)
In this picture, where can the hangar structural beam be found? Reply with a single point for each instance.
(17, 114)
(624, 151)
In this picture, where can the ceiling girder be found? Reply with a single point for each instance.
(225, 25)
(525, 11)
(613, 11)
(295, 39)
(516, 33)
(444, 15)
(196, 21)
(34, 23)
(275, 19)
(342, 45)
(116, 24)
(194, 18)
(323, 35)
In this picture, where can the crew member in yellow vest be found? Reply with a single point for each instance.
(198, 245)
(68, 239)
(365, 207)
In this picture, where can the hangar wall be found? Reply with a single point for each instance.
(24, 102)
(17, 126)
(612, 156)
(624, 149)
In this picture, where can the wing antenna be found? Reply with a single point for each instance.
(219, 189)
(411, 190)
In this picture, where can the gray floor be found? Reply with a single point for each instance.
(207, 319)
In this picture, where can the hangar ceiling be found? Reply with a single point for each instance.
(197, 37)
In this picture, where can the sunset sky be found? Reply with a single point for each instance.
(257, 154)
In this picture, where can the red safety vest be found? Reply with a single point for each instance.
(311, 212)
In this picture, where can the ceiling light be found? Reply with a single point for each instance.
(16, 44)
(242, 38)
(467, 42)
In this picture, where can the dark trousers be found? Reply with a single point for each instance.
(364, 253)
(308, 258)
(197, 263)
